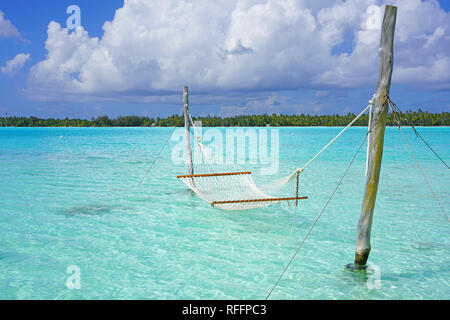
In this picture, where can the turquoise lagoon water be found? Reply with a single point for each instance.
(73, 201)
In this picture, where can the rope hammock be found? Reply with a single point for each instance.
(237, 190)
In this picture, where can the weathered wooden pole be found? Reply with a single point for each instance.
(377, 136)
(187, 133)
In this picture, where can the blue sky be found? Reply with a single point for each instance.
(237, 56)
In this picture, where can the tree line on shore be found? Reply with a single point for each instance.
(417, 118)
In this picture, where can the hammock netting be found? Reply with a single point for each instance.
(230, 191)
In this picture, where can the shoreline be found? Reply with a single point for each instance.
(416, 118)
(169, 127)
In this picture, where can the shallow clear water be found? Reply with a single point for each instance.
(74, 201)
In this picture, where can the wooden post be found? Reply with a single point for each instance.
(377, 136)
(187, 134)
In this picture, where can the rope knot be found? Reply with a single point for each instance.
(372, 101)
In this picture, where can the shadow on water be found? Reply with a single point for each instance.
(429, 246)
(89, 210)
(106, 209)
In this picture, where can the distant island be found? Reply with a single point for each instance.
(417, 118)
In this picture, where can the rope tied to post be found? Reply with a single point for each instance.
(397, 116)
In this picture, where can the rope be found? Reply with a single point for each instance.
(418, 135)
(198, 139)
(154, 159)
(300, 170)
(197, 136)
(369, 127)
(334, 139)
(394, 106)
(423, 174)
(398, 119)
(294, 212)
(318, 217)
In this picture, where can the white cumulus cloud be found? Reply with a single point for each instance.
(7, 29)
(15, 64)
(153, 48)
